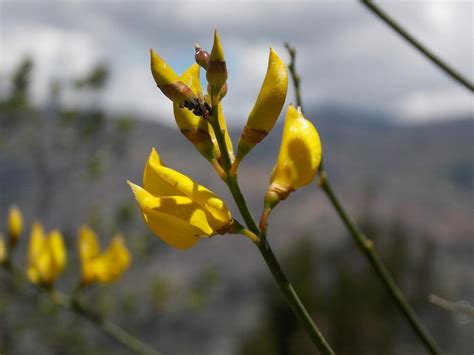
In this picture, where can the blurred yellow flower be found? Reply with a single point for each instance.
(268, 106)
(102, 267)
(299, 157)
(3, 249)
(176, 208)
(15, 224)
(46, 256)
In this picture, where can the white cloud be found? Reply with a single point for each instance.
(56, 54)
(345, 54)
(434, 105)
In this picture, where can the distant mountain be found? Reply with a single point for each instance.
(422, 173)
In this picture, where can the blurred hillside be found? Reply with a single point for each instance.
(422, 174)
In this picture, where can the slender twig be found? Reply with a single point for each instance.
(458, 307)
(367, 246)
(71, 303)
(294, 75)
(454, 74)
(264, 247)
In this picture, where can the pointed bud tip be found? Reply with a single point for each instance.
(217, 53)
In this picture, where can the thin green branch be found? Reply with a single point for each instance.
(264, 247)
(231, 179)
(63, 300)
(418, 45)
(293, 299)
(367, 246)
(294, 75)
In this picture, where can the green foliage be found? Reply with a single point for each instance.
(96, 79)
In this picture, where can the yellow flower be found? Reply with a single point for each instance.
(176, 208)
(216, 69)
(15, 224)
(169, 83)
(195, 128)
(102, 267)
(268, 106)
(46, 256)
(3, 249)
(299, 157)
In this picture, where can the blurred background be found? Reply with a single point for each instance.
(79, 114)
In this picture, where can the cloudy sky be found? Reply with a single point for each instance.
(345, 54)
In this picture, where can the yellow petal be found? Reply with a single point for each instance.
(36, 241)
(223, 126)
(185, 118)
(175, 219)
(195, 128)
(57, 254)
(217, 52)
(15, 223)
(113, 262)
(162, 72)
(168, 82)
(153, 182)
(88, 243)
(300, 152)
(268, 106)
(35, 248)
(46, 257)
(89, 248)
(216, 210)
(272, 95)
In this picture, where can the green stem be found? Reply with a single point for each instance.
(113, 330)
(418, 45)
(60, 299)
(294, 75)
(267, 253)
(292, 297)
(367, 247)
(231, 179)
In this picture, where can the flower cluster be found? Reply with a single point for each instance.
(47, 255)
(179, 210)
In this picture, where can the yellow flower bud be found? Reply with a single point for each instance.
(15, 224)
(46, 256)
(176, 208)
(3, 250)
(216, 70)
(101, 267)
(225, 131)
(195, 128)
(299, 157)
(169, 83)
(268, 106)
